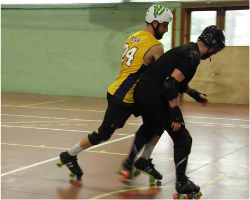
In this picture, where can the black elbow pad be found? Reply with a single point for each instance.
(171, 88)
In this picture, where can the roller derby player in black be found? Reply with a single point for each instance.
(155, 96)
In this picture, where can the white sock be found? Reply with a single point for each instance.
(146, 154)
(75, 149)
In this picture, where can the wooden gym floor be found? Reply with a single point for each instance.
(36, 128)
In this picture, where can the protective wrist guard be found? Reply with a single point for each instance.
(176, 115)
(196, 95)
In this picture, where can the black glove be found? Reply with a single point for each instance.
(196, 95)
(176, 115)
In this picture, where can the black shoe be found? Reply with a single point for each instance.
(127, 165)
(186, 187)
(126, 170)
(71, 163)
(148, 167)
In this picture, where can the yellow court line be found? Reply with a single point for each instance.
(216, 179)
(238, 188)
(3, 123)
(219, 164)
(45, 147)
(25, 122)
(196, 117)
(129, 190)
(55, 108)
(114, 153)
(230, 175)
(35, 146)
(199, 117)
(81, 124)
(244, 166)
(42, 103)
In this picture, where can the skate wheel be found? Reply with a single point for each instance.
(72, 176)
(126, 173)
(175, 196)
(125, 181)
(152, 180)
(59, 164)
(119, 171)
(182, 196)
(198, 195)
(128, 182)
(158, 183)
(179, 196)
(137, 173)
(194, 195)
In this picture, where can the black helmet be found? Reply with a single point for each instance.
(213, 33)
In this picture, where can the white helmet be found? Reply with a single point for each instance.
(158, 13)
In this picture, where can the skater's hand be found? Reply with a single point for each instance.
(176, 126)
(205, 100)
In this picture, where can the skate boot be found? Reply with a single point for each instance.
(71, 163)
(187, 190)
(126, 172)
(147, 167)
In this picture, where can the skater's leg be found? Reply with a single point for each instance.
(115, 117)
(103, 134)
(149, 147)
(182, 147)
(148, 135)
(142, 136)
(143, 164)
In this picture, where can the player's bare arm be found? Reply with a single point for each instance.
(154, 53)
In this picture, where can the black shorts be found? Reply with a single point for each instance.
(118, 112)
(150, 102)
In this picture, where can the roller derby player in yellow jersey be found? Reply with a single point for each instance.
(139, 50)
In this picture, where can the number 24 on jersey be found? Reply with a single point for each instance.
(129, 54)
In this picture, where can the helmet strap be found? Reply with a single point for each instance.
(209, 54)
(155, 29)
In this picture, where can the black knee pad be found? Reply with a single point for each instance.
(184, 144)
(104, 134)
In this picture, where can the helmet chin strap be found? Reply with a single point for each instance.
(207, 55)
(155, 29)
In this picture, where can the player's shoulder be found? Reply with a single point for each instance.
(191, 50)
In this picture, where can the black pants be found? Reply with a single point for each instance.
(155, 112)
(115, 117)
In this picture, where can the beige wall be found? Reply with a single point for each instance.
(226, 78)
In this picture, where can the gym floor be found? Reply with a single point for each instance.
(36, 128)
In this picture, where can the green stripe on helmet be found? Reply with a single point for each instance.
(155, 10)
(162, 11)
(158, 10)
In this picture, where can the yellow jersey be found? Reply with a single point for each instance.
(133, 65)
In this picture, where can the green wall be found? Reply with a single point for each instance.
(67, 50)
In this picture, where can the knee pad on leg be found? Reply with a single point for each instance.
(104, 134)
